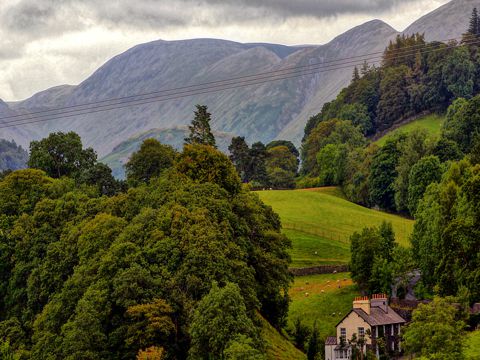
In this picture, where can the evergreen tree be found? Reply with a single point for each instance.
(313, 344)
(474, 28)
(240, 156)
(200, 132)
(356, 75)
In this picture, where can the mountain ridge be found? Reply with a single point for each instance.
(264, 112)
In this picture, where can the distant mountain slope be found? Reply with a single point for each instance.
(447, 22)
(173, 136)
(261, 112)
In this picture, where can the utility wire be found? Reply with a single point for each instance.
(179, 95)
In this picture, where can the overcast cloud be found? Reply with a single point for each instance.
(52, 42)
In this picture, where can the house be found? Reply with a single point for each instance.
(369, 320)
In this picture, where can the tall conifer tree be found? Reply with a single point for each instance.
(200, 131)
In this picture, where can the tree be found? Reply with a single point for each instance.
(219, 318)
(149, 161)
(358, 115)
(6, 352)
(301, 334)
(394, 102)
(474, 27)
(291, 147)
(383, 174)
(426, 171)
(60, 155)
(240, 156)
(100, 175)
(415, 146)
(459, 73)
(243, 348)
(258, 165)
(313, 348)
(281, 167)
(205, 164)
(434, 332)
(200, 132)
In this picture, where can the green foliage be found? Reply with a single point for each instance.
(219, 318)
(149, 161)
(203, 163)
(426, 171)
(435, 332)
(445, 238)
(242, 348)
(240, 157)
(6, 352)
(463, 122)
(60, 155)
(383, 174)
(200, 132)
(459, 73)
(372, 258)
(314, 347)
(12, 156)
(84, 276)
(300, 333)
(281, 165)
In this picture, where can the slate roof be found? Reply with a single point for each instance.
(331, 340)
(379, 317)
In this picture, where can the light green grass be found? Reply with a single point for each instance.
(326, 303)
(278, 347)
(432, 123)
(472, 350)
(322, 220)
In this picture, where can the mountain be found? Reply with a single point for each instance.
(264, 112)
(447, 22)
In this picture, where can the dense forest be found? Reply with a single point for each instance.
(12, 156)
(180, 261)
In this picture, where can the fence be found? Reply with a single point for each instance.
(316, 270)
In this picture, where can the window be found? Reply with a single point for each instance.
(361, 332)
(343, 333)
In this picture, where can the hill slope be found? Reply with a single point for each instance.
(320, 221)
(431, 123)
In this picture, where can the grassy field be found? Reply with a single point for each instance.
(277, 346)
(431, 123)
(472, 351)
(325, 299)
(320, 221)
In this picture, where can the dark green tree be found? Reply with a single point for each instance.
(200, 132)
(258, 165)
(61, 154)
(474, 27)
(240, 156)
(313, 348)
(149, 161)
(301, 334)
(100, 175)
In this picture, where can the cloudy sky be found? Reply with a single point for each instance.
(51, 42)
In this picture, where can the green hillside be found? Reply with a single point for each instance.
(277, 346)
(320, 221)
(325, 299)
(432, 123)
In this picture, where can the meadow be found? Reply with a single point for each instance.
(324, 299)
(319, 223)
(432, 123)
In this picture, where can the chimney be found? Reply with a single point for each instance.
(362, 302)
(380, 301)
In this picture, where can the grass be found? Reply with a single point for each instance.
(432, 123)
(319, 298)
(472, 351)
(277, 346)
(319, 223)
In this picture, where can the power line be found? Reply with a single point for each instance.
(200, 91)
